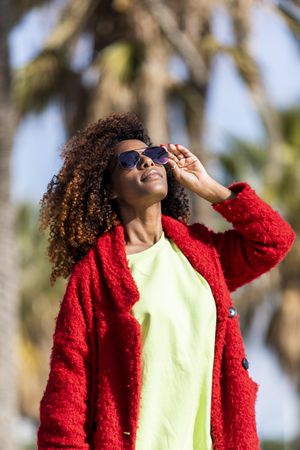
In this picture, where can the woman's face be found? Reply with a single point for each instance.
(132, 187)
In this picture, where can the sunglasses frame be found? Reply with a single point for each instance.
(139, 154)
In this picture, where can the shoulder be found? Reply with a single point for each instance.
(181, 231)
(82, 270)
(103, 243)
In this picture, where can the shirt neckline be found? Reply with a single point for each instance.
(148, 251)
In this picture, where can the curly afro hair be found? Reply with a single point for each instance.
(76, 205)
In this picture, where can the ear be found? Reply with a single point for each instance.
(111, 194)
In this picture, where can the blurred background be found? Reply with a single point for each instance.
(220, 77)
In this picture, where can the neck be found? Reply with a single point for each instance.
(142, 227)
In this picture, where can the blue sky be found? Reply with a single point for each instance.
(230, 110)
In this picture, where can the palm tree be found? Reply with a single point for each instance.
(10, 14)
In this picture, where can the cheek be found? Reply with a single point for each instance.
(125, 185)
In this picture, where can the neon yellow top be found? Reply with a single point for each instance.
(177, 314)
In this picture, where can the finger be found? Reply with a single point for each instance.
(173, 157)
(173, 165)
(174, 150)
(187, 156)
(184, 151)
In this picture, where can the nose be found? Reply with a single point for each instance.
(145, 161)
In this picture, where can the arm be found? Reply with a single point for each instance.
(261, 238)
(63, 408)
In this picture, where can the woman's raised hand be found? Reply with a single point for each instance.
(187, 168)
(191, 174)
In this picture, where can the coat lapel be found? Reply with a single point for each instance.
(122, 287)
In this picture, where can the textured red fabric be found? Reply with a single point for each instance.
(92, 396)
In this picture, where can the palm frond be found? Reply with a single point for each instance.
(290, 124)
(121, 60)
(71, 23)
(290, 16)
(38, 81)
(242, 158)
(283, 333)
(41, 80)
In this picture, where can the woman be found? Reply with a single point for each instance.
(147, 350)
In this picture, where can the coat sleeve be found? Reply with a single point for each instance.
(63, 408)
(259, 240)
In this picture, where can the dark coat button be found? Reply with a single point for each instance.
(232, 311)
(245, 363)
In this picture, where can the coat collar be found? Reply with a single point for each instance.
(121, 285)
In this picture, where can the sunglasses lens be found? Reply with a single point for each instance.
(157, 154)
(128, 159)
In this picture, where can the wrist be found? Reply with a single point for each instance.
(215, 192)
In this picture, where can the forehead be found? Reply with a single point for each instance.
(129, 144)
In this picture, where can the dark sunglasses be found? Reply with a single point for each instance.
(129, 159)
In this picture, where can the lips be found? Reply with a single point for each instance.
(149, 172)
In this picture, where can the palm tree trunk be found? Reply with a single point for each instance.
(197, 26)
(241, 13)
(8, 263)
(152, 85)
(194, 112)
(179, 40)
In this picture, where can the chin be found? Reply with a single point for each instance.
(160, 196)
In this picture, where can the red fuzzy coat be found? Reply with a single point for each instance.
(91, 400)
